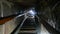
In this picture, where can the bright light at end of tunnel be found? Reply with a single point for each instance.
(32, 12)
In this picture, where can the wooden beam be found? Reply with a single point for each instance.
(2, 21)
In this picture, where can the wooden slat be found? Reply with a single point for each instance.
(2, 21)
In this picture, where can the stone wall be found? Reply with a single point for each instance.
(1, 29)
(9, 26)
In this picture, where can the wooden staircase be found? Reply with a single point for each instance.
(29, 27)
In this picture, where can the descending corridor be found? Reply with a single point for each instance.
(29, 16)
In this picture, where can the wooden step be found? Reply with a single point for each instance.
(32, 28)
(30, 31)
(27, 29)
(29, 26)
(27, 33)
